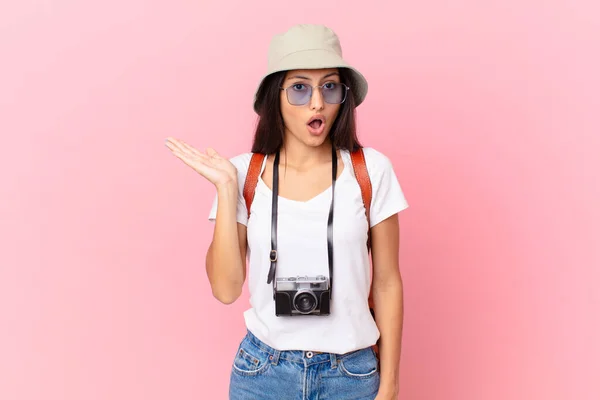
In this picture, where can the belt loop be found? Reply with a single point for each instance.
(274, 357)
(333, 359)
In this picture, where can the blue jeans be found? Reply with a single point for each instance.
(260, 372)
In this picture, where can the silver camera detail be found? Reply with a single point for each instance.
(302, 295)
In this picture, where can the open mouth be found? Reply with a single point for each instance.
(316, 125)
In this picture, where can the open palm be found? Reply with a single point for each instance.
(210, 165)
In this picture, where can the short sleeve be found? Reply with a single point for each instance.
(241, 163)
(388, 197)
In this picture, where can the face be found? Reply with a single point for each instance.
(310, 123)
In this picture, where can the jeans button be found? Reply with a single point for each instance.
(309, 354)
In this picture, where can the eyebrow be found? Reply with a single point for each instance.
(304, 77)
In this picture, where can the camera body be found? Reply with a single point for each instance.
(302, 295)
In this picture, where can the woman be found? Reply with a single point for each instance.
(305, 232)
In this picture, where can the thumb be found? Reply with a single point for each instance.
(212, 153)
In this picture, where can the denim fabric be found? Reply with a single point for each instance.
(261, 372)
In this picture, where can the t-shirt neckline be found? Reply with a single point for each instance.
(263, 186)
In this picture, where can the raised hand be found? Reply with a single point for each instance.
(218, 170)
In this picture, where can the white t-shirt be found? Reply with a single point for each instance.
(302, 251)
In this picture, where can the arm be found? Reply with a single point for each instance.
(226, 269)
(388, 302)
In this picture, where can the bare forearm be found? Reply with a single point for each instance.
(389, 310)
(224, 264)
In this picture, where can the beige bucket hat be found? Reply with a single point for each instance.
(309, 46)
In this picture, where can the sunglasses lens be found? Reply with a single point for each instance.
(299, 94)
(334, 93)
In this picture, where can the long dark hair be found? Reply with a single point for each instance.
(269, 134)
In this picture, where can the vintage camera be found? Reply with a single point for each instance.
(302, 295)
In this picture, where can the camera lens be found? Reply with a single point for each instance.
(305, 302)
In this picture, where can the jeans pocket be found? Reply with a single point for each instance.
(250, 360)
(362, 364)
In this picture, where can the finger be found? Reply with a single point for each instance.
(173, 143)
(181, 145)
(181, 155)
(212, 153)
(187, 156)
(192, 157)
(172, 140)
(190, 148)
(204, 157)
(201, 166)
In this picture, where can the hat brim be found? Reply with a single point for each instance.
(318, 59)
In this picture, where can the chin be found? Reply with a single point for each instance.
(306, 138)
(315, 141)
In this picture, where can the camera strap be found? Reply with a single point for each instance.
(274, 202)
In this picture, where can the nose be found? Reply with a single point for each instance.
(316, 100)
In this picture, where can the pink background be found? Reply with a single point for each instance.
(488, 109)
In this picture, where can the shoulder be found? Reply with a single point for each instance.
(377, 162)
(388, 197)
(241, 162)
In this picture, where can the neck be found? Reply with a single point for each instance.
(301, 157)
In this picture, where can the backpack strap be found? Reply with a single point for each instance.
(252, 179)
(364, 181)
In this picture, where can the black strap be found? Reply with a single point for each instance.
(275, 196)
(330, 219)
(275, 192)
